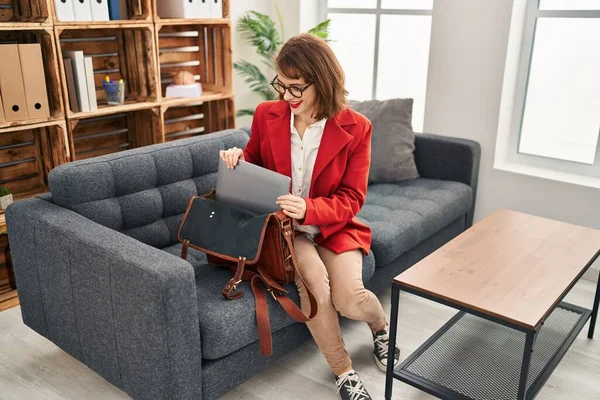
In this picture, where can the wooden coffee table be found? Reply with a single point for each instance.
(507, 275)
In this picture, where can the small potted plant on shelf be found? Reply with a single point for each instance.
(5, 197)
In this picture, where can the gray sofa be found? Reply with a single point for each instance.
(98, 269)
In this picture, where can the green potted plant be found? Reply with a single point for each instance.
(6, 197)
(259, 31)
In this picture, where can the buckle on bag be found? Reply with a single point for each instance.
(285, 223)
(232, 287)
(272, 293)
(230, 290)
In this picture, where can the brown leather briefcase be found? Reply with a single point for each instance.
(257, 248)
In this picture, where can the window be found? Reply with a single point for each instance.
(555, 122)
(383, 46)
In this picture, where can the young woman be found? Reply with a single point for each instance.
(325, 148)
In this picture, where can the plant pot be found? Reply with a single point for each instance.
(5, 201)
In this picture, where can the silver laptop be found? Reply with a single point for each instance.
(251, 187)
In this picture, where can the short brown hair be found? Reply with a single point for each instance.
(311, 58)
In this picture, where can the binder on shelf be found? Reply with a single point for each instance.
(34, 80)
(11, 84)
(204, 8)
(64, 10)
(82, 10)
(99, 10)
(71, 85)
(216, 8)
(79, 76)
(91, 84)
(178, 8)
(114, 10)
(1, 110)
(117, 9)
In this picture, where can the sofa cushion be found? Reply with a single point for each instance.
(143, 192)
(195, 257)
(402, 215)
(229, 325)
(393, 139)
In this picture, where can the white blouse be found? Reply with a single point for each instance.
(304, 155)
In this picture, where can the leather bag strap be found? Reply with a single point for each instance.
(230, 290)
(184, 249)
(262, 310)
(288, 235)
(262, 317)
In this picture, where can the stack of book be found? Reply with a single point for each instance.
(23, 92)
(90, 10)
(79, 71)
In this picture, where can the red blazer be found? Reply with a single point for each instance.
(339, 182)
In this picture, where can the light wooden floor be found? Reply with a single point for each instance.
(33, 368)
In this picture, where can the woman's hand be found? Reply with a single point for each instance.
(292, 206)
(231, 156)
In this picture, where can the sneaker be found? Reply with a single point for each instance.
(381, 342)
(350, 387)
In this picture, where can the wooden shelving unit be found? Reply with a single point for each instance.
(144, 50)
(28, 13)
(121, 53)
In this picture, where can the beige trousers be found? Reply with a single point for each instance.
(336, 282)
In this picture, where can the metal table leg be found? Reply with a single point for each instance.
(594, 311)
(525, 366)
(389, 376)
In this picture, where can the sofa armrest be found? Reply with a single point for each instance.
(125, 309)
(448, 158)
(247, 130)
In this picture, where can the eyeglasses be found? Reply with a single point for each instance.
(294, 90)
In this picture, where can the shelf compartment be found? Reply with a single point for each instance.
(126, 54)
(28, 154)
(137, 11)
(193, 119)
(203, 21)
(45, 37)
(19, 11)
(203, 50)
(92, 137)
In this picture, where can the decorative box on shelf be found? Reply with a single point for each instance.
(193, 90)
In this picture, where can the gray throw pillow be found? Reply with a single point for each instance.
(393, 141)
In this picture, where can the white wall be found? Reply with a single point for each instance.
(468, 51)
(311, 13)
(290, 12)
